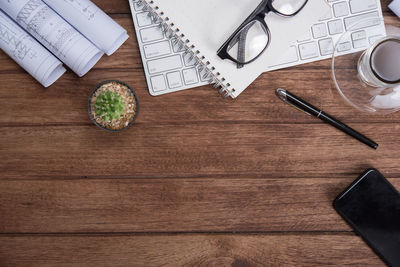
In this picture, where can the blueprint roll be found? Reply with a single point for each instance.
(92, 22)
(28, 53)
(395, 7)
(54, 33)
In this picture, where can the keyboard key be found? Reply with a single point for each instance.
(360, 43)
(164, 64)
(143, 19)
(326, 46)
(358, 35)
(357, 6)
(340, 9)
(319, 30)
(157, 50)
(174, 79)
(350, 22)
(342, 47)
(190, 76)
(158, 83)
(308, 50)
(151, 34)
(335, 27)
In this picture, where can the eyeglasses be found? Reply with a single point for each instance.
(253, 37)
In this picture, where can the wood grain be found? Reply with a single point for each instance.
(186, 250)
(198, 181)
(66, 101)
(172, 205)
(195, 150)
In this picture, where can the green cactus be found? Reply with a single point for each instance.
(109, 106)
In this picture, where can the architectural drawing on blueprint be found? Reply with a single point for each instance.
(87, 9)
(28, 53)
(92, 22)
(56, 34)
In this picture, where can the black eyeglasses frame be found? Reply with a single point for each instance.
(258, 14)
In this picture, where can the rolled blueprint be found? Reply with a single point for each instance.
(28, 52)
(53, 32)
(92, 22)
(395, 7)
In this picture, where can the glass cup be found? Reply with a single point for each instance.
(369, 79)
(379, 66)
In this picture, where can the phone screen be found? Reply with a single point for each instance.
(371, 205)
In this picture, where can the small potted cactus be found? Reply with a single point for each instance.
(113, 106)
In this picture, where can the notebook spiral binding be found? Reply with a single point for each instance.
(206, 70)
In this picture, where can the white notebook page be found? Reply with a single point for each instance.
(209, 23)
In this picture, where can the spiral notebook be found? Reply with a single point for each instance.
(203, 26)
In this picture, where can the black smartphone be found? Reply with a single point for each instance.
(371, 205)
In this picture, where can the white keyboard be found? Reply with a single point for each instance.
(318, 43)
(168, 69)
(166, 65)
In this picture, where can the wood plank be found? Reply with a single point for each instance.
(205, 149)
(187, 250)
(172, 205)
(116, 6)
(66, 101)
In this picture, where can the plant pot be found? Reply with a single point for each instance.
(125, 95)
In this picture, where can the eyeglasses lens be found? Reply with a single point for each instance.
(288, 7)
(249, 43)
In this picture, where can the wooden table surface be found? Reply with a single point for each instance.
(198, 180)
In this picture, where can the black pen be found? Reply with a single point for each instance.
(311, 110)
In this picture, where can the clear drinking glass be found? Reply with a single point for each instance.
(379, 66)
(369, 79)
